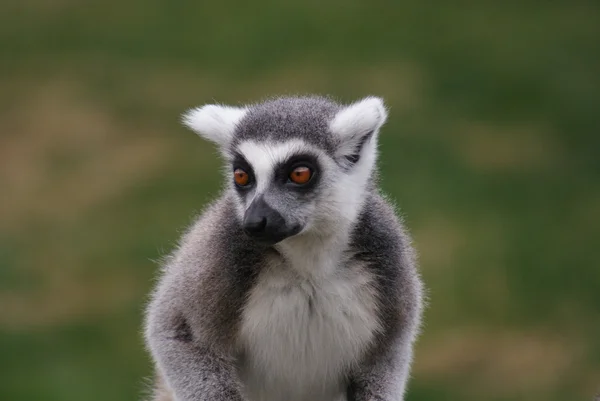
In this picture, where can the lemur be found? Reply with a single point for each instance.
(299, 283)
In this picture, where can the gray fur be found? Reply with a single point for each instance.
(328, 314)
(281, 119)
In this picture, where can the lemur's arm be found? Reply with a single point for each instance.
(192, 369)
(383, 377)
(384, 372)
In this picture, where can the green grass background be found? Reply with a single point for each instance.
(491, 151)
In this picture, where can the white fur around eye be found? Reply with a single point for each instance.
(214, 122)
(263, 157)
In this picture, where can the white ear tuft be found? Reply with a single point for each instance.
(360, 118)
(356, 127)
(214, 122)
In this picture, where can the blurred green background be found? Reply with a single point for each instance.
(491, 150)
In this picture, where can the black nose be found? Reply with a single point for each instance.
(265, 224)
(255, 224)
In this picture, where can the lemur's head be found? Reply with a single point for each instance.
(297, 166)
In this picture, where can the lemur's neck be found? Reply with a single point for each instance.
(320, 253)
(313, 256)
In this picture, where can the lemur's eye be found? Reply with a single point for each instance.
(301, 175)
(240, 177)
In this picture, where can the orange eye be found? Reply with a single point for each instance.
(301, 175)
(241, 177)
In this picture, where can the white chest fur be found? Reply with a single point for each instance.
(300, 335)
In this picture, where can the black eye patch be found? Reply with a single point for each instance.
(284, 169)
(240, 162)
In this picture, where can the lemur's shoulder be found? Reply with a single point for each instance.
(381, 232)
(381, 240)
(208, 275)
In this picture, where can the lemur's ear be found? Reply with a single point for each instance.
(356, 124)
(214, 122)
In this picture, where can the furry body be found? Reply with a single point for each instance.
(327, 314)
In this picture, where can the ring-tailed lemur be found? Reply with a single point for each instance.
(299, 283)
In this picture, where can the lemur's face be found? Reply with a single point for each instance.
(296, 166)
(277, 186)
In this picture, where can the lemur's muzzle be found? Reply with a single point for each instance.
(265, 224)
